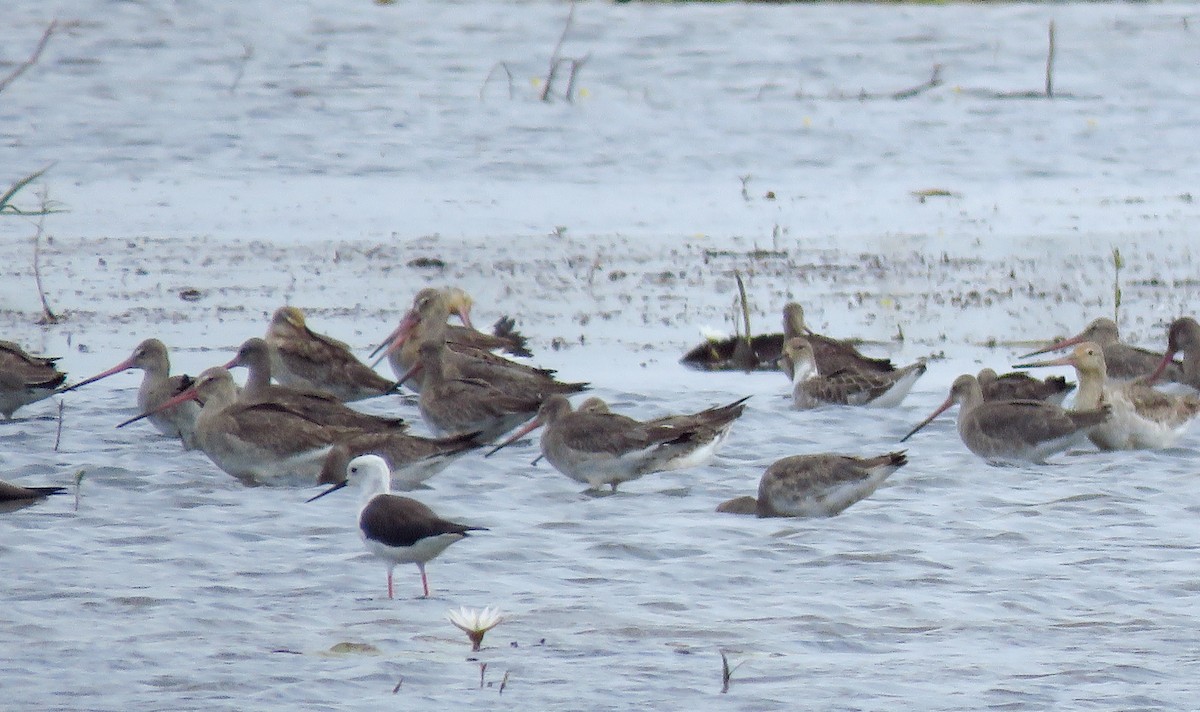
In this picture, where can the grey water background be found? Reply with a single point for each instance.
(260, 153)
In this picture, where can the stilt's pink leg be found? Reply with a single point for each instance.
(390, 595)
(424, 581)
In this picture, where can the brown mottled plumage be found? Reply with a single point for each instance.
(453, 406)
(1013, 431)
(1124, 361)
(846, 387)
(25, 378)
(1022, 386)
(1183, 337)
(1142, 417)
(469, 357)
(318, 406)
(831, 355)
(815, 485)
(10, 492)
(158, 386)
(302, 358)
(597, 447)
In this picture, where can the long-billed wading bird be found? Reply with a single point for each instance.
(158, 386)
(1008, 432)
(1142, 417)
(815, 485)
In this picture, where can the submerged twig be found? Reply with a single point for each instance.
(5, 199)
(58, 433)
(33, 58)
(743, 351)
(488, 78)
(554, 56)
(746, 186)
(935, 80)
(78, 487)
(1118, 262)
(504, 682)
(1050, 64)
(576, 65)
(398, 684)
(727, 672)
(247, 54)
(48, 316)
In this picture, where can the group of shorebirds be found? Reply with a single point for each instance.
(300, 430)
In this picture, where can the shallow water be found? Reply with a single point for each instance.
(356, 141)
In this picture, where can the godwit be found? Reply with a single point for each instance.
(318, 406)
(1124, 361)
(411, 459)
(465, 362)
(455, 406)
(1142, 418)
(1022, 386)
(815, 485)
(259, 443)
(427, 321)
(24, 378)
(397, 529)
(302, 358)
(504, 336)
(870, 388)
(1004, 432)
(601, 448)
(711, 425)
(158, 386)
(717, 353)
(13, 493)
(832, 355)
(1183, 337)
(432, 306)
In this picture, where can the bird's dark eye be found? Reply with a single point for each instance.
(354, 469)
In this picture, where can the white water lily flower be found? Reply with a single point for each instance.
(475, 623)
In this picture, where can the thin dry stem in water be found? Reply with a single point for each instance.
(398, 684)
(504, 682)
(33, 58)
(78, 487)
(6, 207)
(48, 316)
(935, 80)
(1050, 63)
(1118, 263)
(247, 54)
(554, 56)
(488, 78)
(727, 672)
(576, 65)
(58, 434)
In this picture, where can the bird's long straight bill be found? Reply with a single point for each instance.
(1056, 346)
(387, 342)
(123, 366)
(189, 394)
(331, 490)
(395, 339)
(1168, 357)
(416, 368)
(527, 429)
(1064, 361)
(941, 409)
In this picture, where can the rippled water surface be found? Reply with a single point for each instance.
(259, 153)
